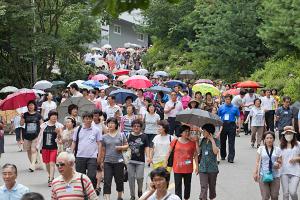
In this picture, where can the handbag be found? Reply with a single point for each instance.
(171, 156)
(85, 195)
(267, 177)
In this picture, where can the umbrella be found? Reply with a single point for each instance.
(42, 85)
(122, 50)
(173, 83)
(161, 74)
(99, 77)
(106, 73)
(248, 84)
(58, 83)
(122, 94)
(205, 88)
(130, 50)
(101, 63)
(17, 100)
(198, 117)
(233, 91)
(109, 89)
(138, 82)
(141, 72)
(84, 105)
(204, 81)
(106, 46)
(186, 74)
(159, 88)
(122, 78)
(78, 82)
(9, 89)
(40, 92)
(122, 72)
(96, 49)
(92, 83)
(296, 105)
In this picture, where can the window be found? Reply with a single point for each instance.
(141, 36)
(117, 29)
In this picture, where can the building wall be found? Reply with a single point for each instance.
(128, 34)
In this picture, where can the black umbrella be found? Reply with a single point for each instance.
(198, 117)
(186, 74)
(106, 73)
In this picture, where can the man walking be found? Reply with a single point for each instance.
(229, 114)
(269, 105)
(284, 115)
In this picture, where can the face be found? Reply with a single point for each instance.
(269, 140)
(31, 107)
(9, 176)
(102, 93)
(268, 93)
(87, 121)
(227, 87)
(161, 130)
(198, 96)
(129, 109)
(50, 97)
(286, 103)
(173, 96)
(176, 89)
(257, 103)
(110, 100)
(185, 134)
(206, 134)
(151, 109)
(74, 112)
(96, 117)
(208, 97)
(128, 101)
(228, 100)
(69, 124)
(63, 166)
(136, 128)
(160, 183)
(53, 118)
(111, 126)
(140, 93)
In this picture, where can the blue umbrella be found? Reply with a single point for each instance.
(160, 88)
(122, 94)
(173, 83)
(92, 83)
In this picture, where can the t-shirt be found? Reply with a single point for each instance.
(208, 162)
(248, 101)
(32, 125)
(167, 197)
(49, 135)
(264, 166)
(183, 156)
(137, 145)
(17, 122)
(173, 112)
(151, 126)
(267, 103)
(46, 106)
(110, 143)
(258, 116)
(287, 155)
(161, 146)
(237, 101)
(111, 110)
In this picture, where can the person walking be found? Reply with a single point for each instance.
(184, 154)
(73, 113)
(229, 114)
(290, 170)
(71, 184)
(127, 119)
(32, 121)
(139, 148)
(257, 123)
(208, 164)
(284, 115)
(86, 146)
(248, 102)
(151, 120)
(112, 161)
(269, 105)
(47, 105)
(268, 162)
(65, 139)
(19, 130)
(112, 107)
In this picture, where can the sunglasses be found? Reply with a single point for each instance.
(60, 164)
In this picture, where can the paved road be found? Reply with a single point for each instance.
(234, 181)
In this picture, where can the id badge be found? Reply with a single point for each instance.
(188, 162)
(206, 153)
(69, 188)
(286, 112)
(226, 117)
(120, 160)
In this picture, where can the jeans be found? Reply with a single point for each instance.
(270, 190)
(174, 126)
(187, 185)
(269, 117)
(87, 166)
(289, 186)
(135, 172)
(115, 170)
(229, 130)
(208, 182)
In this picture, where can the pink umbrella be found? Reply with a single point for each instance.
(138, 82)
(204, 81)
(123, 78)
(17, 100)
(99, 77)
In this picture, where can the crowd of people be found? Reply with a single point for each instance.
(117, 140)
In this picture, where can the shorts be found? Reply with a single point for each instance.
(49, 155)
(30, 144)
(18, 132)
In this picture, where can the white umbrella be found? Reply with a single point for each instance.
(9, 89)
(142, 72)
(161, 74)
(42, 85)
(81, 85)
(41, 92)
(100, 63)
(106, 46)
(96, 49)
(78, 82)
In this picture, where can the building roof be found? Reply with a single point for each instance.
(134, 17)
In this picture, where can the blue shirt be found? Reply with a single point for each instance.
(228, 113)
(15, 193)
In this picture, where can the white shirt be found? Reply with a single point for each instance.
(77, 94)
(237, 101)
(111, 110)
(99, 126)
(46, 106)
(287, 155)
(248, 101)
(151, 126)
(17, 122)
(264, 166)
(267, 103)
(173, 112)
(161, 146)
(258, 116)
(167, 197)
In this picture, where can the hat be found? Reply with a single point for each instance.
(194, 100)
(288, 129)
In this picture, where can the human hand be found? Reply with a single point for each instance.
(256, 177)
(293, 161)
(118, 148)
(276, 165)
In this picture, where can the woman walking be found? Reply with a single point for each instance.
(65, 139)
(290, 170)
(184, 154)
(113, 144)
(127, 119)
(47, 105)
(151, 120)
(268, 162)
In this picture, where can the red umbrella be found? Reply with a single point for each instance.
(138, 82)
(122, 72)
(99, 77)
(248, 84)
(204, 81)
(231, 92)
(17, 100)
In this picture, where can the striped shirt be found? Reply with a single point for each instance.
(72, 190)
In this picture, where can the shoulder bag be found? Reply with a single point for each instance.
(267, 177)
(77, 141)
(85, 195)
(171, 156)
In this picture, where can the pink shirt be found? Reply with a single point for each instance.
(185, 101)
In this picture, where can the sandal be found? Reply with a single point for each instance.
(98, 191)
(50, 183)
(31, 170)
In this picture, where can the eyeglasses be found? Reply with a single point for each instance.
(60, 164)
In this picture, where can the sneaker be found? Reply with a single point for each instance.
(140, 193)
(252, 145)
(98, 191)
(222, 158)
(49, 183)
(230, 161)
(132, 198)
(258, 146)
(31, 170)
(238, 135)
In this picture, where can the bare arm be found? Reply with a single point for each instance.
(256, 169)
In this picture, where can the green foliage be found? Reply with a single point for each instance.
(282, 74)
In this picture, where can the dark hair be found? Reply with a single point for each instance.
(73, 121)
(208, 93)
(32, 102)
(165, 125)
(251, 90)
(32, 196)
(84, 89)
(268, 133)
(286, 98)
(283, 142)
(274, 90)
(74, 86)
(228, 85)
(52, 112)
(46, 95)
(150, 106)
(129, 97)
(136, 121)
(71, 107)
(87, 115)
(209, 128)
(148, 99)
(198, 92)
(161, 172)
(257, 99)
(228, 96)
(112, 97)
(184, 128)
(140, 90)
(114, 120)
(243, 92)
(9, 165)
